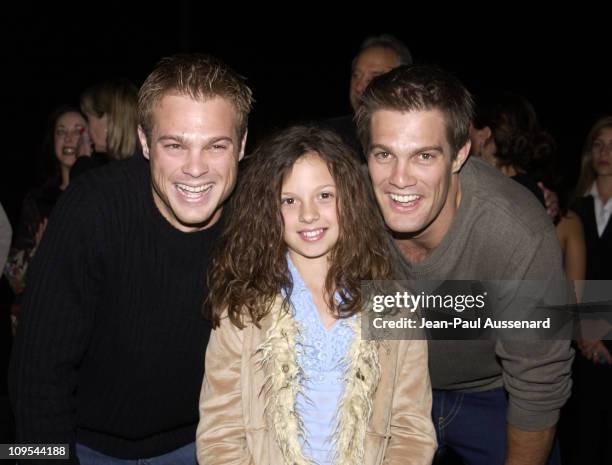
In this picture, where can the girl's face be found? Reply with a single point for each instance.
(68, 129)
(309, 209)
(602, 153)
(98, 128)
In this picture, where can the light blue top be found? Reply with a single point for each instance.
(321, 354)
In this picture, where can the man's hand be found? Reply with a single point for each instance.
(551, 200)
(528, 447)
(595, 351)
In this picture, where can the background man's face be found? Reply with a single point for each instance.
(371, 62)
(194, 153)
(411, 167)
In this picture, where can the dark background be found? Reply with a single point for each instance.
(297, 60)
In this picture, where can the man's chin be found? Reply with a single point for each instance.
(403, 228)
(199, 221)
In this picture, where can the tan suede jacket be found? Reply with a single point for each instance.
(234, 427)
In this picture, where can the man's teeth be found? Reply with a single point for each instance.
(194, 189)
(404, 198)
(68, 151)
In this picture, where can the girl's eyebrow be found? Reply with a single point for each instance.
(322, 186)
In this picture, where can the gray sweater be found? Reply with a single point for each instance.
(500, 232)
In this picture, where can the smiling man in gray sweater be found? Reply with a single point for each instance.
(495, 402)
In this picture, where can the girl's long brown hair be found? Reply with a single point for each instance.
(250, 267)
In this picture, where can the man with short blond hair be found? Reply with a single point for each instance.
(109, 354)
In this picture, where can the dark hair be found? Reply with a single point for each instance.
(387, 41)
(418, 88)
(250, 267)
(519, 139)
(48, 167)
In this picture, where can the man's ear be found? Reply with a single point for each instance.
(143, 142)
(461, 157)
(486, 133)
(243, 145)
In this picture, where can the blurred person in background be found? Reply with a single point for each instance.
(110, 107)
(66, 138)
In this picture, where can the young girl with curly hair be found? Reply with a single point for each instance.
(289, 379)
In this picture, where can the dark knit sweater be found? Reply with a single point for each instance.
(110, 348)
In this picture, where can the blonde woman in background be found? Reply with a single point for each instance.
(593, 364)
(110, 107)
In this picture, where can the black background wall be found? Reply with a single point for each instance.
(297, 60)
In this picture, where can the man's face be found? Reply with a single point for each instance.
(412, 171)
(194, 153)
(371, 62)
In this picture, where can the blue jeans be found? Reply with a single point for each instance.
(473, 426)
(185, 455)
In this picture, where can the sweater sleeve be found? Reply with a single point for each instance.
(55, 326)
(536, 373)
